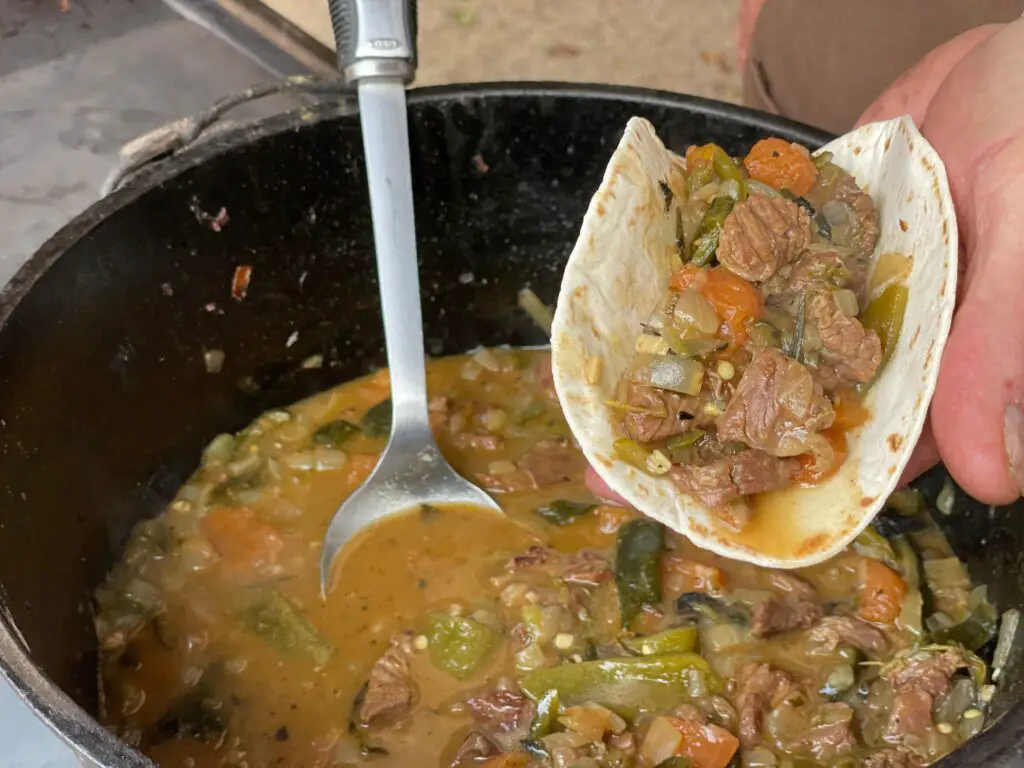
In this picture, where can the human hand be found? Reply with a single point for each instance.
(963, 97)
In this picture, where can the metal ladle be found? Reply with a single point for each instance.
(376, 42)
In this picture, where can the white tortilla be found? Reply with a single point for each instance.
(618, 273)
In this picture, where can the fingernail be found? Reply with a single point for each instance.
(1013, 442)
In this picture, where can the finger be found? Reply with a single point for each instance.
(976, 412)
(600, 488)
(925, 456)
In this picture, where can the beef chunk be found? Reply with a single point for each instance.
(761, 235)
(791, 586)
(665, 415)
(586, 568)
(813, 270)
(760, 687)
(732, 477)
(390, 691)
(833, 631)
(834, 737)
(473, 749)
(504, 716)
(925, 671)
(911, 714)
(865, 228)
(776, 406)
(892, 758)
(773, 615)
(855, 351)
(553, 461)
(548, 463)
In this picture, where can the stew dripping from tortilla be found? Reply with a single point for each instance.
(568, 634)
(748, 378)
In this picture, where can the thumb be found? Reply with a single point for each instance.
(977, 414)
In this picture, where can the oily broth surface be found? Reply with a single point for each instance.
(281, 709)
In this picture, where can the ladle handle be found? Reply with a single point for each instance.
(375, 38)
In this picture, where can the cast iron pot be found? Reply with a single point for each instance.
(105, 400)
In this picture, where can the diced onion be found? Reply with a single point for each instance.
(946, 498)
(756, 187)
(316, 460)
(486, 359)
(731, 188)
(678, 374)
(501, 467)
(658, 463)
(847, 302)
(650, 344)
(662, 741)
(836, 213)
(1004, 645)
(694, 311)
(214, 360)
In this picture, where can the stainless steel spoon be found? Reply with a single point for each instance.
(376, 52)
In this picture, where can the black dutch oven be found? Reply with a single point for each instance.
(105, 401)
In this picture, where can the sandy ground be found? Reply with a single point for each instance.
(679, 45)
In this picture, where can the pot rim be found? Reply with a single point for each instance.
(71, 723)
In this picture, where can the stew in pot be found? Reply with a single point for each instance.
(566, 634)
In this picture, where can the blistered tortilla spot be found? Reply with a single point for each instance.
(937, 192)
(915, 336)
(928, 165)
(910, 196)
(917, 401)
(910, 145)
(903, 225)
(945, 231)
(867, 501)
(895, 442)
(579, 291)
(857, 150)
(928, 356)
(812, 544)
(888, 143)
(600, 209)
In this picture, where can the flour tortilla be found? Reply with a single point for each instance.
(618, 274)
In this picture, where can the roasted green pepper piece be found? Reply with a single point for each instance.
(727, 170)
(675, 640)
(377, 421)
(562, 512)
(973, 633)
(884, 316)
(631, 452)
(548, 710)
(598, 680)
(459, 645)
(280, 624)
(706, 242)
(698, 177)
(638, 566)
(685, 440)
(336, 433)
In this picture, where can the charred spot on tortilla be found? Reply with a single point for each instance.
(668, 195)
(751, 353)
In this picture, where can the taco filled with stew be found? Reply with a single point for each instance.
(745, 347)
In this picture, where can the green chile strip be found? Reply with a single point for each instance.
(638, 566)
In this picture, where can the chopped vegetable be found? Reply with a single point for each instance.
(688, 275)
(377, 421)
(889, 269)
(548, 710)
(850, 411)
(281, 625)
(841, 679)
(947, 497)
(694, 311)
(705, 745)
(630, 452)
(1004, 646)
(727, 170)
(906, 502)
(597, 680)
(881, 592)
(244, 542)
(735, 300)
(459, 645)
(562, 512)
(685, 440)
(539, 312)
(682, 576)
(637, 566)
(884, 316)
(706, 243)
(678, 374)
(675, 640)
(782, 165)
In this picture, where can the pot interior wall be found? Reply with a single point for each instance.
(105, 401)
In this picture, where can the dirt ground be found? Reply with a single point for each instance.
(679, 45)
